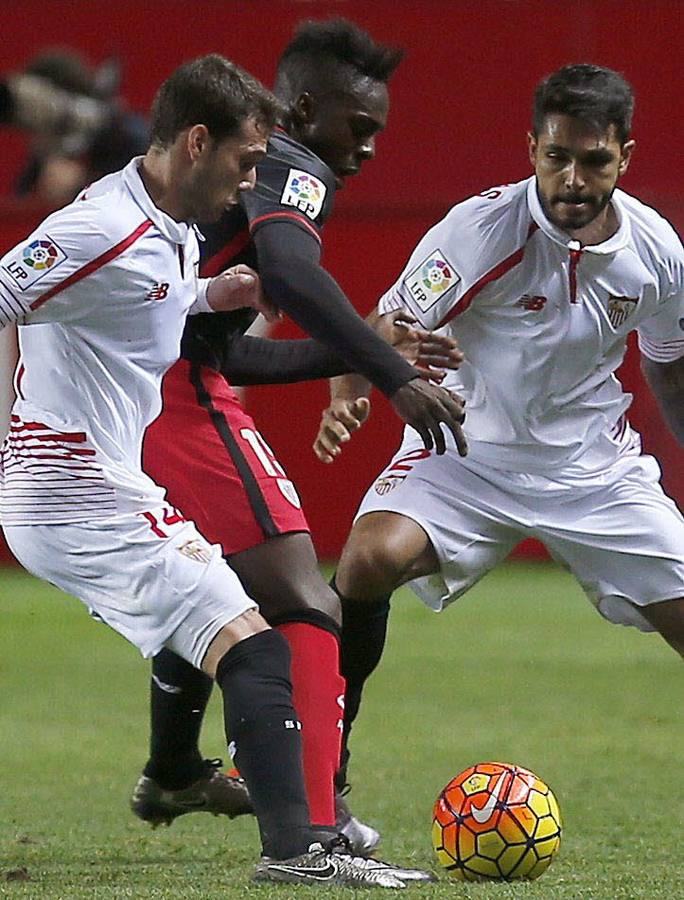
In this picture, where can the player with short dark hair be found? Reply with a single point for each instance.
(77, 509)
(541, 282)
(597, 96)
(210, 89)
(331, 86)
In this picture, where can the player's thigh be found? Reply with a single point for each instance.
(151, 576)
(624, 543)
(282, 574)
(383, 550)
(468, 523)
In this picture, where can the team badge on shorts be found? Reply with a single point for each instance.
(289, 492)
(384, 485)
(619, 308)
(31, 262)
(305, 192)
(431, 279)
(196, 550)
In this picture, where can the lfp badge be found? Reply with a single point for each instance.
(305, 192)
(30, 263)
(431, 279)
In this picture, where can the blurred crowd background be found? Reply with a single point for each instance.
(76, 86)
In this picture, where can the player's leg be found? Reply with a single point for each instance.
(429, 520)
(667, 617)
(179, 694)
(283, 576)
(383, 551)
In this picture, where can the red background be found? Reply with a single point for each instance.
(460, 109)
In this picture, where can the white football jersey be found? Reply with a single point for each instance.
(543, 321)
(100, 291)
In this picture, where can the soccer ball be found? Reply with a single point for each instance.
(496, 821)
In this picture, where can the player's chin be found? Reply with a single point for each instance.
(572, 222)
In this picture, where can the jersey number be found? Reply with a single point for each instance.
(170, 517)
(263, 453)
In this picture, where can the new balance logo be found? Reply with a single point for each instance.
(159, 292)
(532, 302)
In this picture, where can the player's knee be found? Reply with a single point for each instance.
(295, 600)
(371, 567)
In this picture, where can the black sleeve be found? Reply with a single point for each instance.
(254, 360)
(294, 279)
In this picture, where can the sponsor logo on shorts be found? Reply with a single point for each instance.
(619, 308)
(305, 192)
(30, 263)
(196, 550)
(431, 279)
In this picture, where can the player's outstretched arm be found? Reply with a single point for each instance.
(666, 380)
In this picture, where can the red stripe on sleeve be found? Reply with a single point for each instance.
(285, 215)
(219, 261)
(94, 264)
(497, 272)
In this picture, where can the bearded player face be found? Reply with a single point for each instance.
(577, 169)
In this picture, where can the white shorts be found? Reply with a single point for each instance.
(150, 576)
(617, 532)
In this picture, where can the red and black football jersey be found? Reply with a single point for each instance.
(293, 185)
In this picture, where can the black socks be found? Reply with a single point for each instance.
(364, 630)
(179, 697)
(254, 676)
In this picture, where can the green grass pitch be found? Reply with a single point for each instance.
(520, 670)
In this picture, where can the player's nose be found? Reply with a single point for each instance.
(367, 148)
(574, 177)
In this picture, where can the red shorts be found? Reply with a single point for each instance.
(217, 469)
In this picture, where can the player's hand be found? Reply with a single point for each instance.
(430, 353)
(338, 422)
(237, 288)
(425, 407)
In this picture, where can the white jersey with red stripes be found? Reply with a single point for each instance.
(543, 321)
(100, 292)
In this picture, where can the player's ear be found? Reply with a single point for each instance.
(625, 156)
(303, 109)
(197, 141)
(532, 148)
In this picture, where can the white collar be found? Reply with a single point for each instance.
(169, 227)
(616, 242)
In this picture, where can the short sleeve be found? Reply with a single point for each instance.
(292, 185)
(661, 336)
(36, 275)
